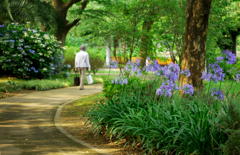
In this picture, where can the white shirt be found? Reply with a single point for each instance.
(82, 59)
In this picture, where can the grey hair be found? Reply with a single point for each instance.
(83, 47)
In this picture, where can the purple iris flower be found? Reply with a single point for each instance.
(218, 94)
(113, 64)
(161, 71)
(133, 68)
(219, 59)
(188, 89)
(166, 89)
(172, 72)
(153, 67)
(237, 77)
(186, 72)
(215, 73)
(120, 81)
(230, 57)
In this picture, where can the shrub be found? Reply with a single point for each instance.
(28, 53)
(69, 54)
(96, 63)
(96, 57)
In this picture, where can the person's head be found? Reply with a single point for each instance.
(83, 47)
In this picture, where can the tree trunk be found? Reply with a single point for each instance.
(146, 41)
(63, 25)
(234, 35)
(108, 52)
(193, 57)
(229, 40)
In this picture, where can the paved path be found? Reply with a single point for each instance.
(26, 123)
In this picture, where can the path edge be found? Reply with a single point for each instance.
(57, 124)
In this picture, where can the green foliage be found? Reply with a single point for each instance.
(44, 84)
(231, 123)
(28, 11)
(179, 125)
(96, 61)
(96, 56)
(69, 54)
(40, 85)
(231, 70)
(232, 146)
(28, 53)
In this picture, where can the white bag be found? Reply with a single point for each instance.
(89, 79)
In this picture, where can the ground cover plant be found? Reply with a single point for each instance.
(10, 85)
(152, 115)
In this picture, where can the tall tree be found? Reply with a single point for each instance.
(193, 57)
(63, 25)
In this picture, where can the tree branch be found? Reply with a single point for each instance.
(70, 3)
(73, 23)
(57, 3)
(84, 4)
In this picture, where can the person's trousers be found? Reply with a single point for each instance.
(82, 76)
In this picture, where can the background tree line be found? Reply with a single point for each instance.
(132, 27)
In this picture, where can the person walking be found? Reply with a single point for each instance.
(82, 64)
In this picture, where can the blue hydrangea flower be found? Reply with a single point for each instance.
(11, 41)
(188, 89)
(2, 26)
(34, 69)
(20, 48)
(230, 57)
(217, 94)
(31, 51)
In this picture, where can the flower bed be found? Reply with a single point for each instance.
(151, 115)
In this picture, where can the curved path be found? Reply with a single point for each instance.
(27, 127)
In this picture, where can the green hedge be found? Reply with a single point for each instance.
(96, 57)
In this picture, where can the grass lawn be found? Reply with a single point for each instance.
(81, 106)
(10, 85)
(74, 122)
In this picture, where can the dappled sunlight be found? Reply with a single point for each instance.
(26, 123)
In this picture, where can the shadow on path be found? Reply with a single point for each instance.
(26, 123)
